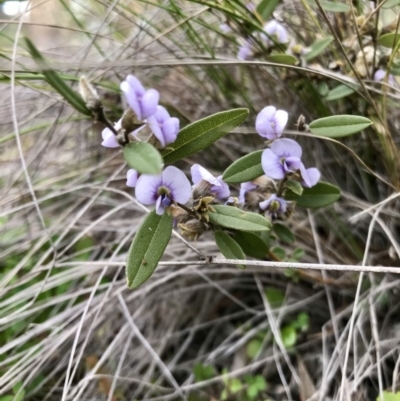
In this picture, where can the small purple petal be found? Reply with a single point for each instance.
(176, 181)
(281, 34)
(275, 30)
(292, 164)
(313, 175)
(223, 191)
(272, 165)
(379, 75)
(265, 205)
(135, 85)
(132, 98)
(155, 127)
(131, 178)
(149, 102)
(146, 188)
(281, 119)
(304, 176)
(244, 51)
(225, 28)
(286, 147)
(200, 173)
(263, 122)
(245, 187)
(159, 206)
(170, 130)
(109, 139)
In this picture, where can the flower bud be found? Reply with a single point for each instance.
(192, 229)
(89, 94)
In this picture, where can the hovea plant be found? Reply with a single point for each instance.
(267, 184)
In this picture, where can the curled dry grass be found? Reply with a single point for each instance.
(71, 330)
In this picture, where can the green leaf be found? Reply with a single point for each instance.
(279, 252)
(237, 219)
(322, 194)
(246, 168)
(253, 347)
(282, 59)
(331, 6)
(339, 92)
(53, 79)
(389, 39)
(229, 247)
(147, 248)
(235, 385)
(289, 336)
(283, 233)
(201, 134)
(7, 398)
(339, 126)
(389, 396)
(298, 254)
(318, 47)
(294, 186)
(251, 244)
(266, 7)
(302, 322)
(203, 372)
(143, 157)
(274, 296)
(391, 4)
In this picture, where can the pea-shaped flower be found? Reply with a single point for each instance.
(132, 178)
(109, 139)
(244, 51)
(380, 75)
(244, 188)
(271, 122)
(164, 127)
(216, 186)
(283, 158)
(142, 102)
(163, 190)
(273, 206)
(275, 30)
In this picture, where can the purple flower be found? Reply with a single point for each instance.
(218, 187)
(164, 127)
(275, 30)
(164, 189)
(251, 7)
(270, 122)
(109, 139)
(244, 51)
(131, 178)
(225, 28)
(142, 102)
(380, 75)
(245, 187)
(284, 157)
(273, 206)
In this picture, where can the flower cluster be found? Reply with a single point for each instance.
(280, 161)
(147, 112)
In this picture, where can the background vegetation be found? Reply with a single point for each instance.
(69, 327)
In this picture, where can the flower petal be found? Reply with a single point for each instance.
(304, 176)
(156, 129)
(109, 139)
(223, 191)
(245, 187)
(170, 130)
(313, 176)
(263, 122)
(161, 114)
(286, 147)
(200, 173)
(271, 164)
(292, 164)
(149, 102)
(280, 119)
(159, 206)
(176, 181)
(135, 85)
(146, 188)
(244, 52)
(281, 33)
(132, 98)
(379, 75)
(131, 178)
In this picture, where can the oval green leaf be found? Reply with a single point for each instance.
(237, 219)
(266, 7)
(282, 59)
(246, 168)
(201, 134)
(339, 126)
(318, 47)
(391, 4)
(283, 233)
(339, 92)
(334, 7)
(147, 248)
(229, 247)
(143, 157)
(389, 39)
(294, 186)
(251, 244)
(322, 194)
(54, 80)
